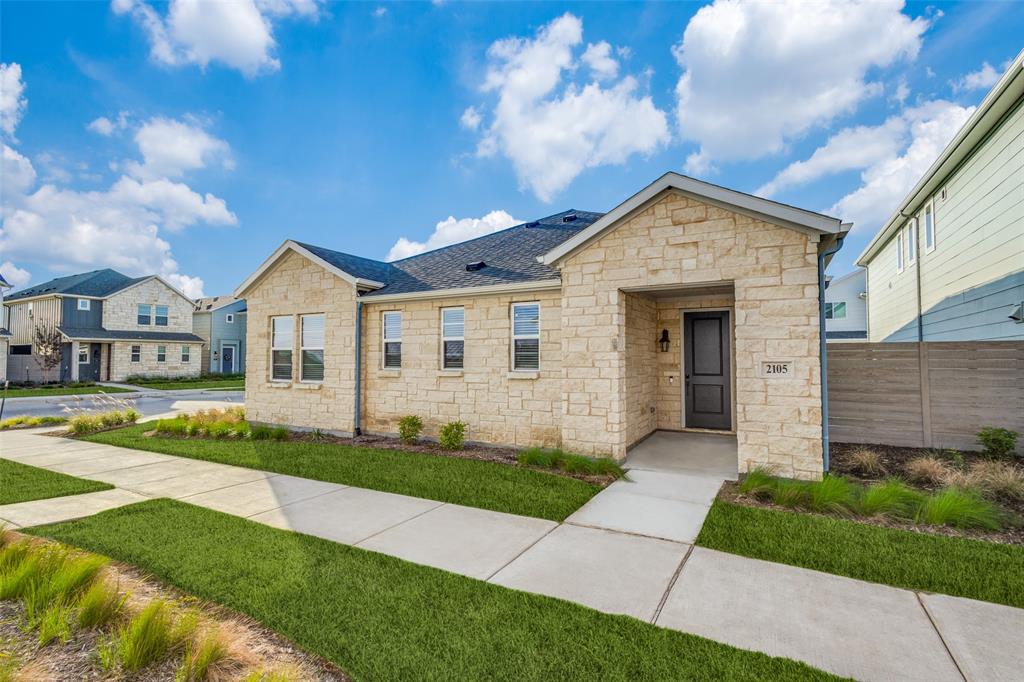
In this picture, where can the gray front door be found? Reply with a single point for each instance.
(227, 360)
(707, 370)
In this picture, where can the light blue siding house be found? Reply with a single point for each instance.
(221, 321)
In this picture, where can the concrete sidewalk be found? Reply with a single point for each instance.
(853, 628)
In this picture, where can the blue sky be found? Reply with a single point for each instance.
(190, 139)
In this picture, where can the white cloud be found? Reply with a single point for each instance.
(470, 119)
(238, 34)
(17, 172)
(849, 149)
(887, 181)
(983, 78)
(551, 129)
(758, 74)
(598, 56)
(902, 91)
(170, 148)
(451, 231)
(106, 127)
(12, 98)
(15, 276)
(380, 12)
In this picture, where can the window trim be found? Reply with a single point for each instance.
(900, 256)
(303, 348)
(384, 340)
(135, 356)
(461, 338)
(830, 310)
(87, 304)
(161, 351)
(157, 315)
(186, 354)
(290, 348)
(515, 337)
(83, 348)
(912, 241)
(149, 314)
(929, 211)
(229, 318)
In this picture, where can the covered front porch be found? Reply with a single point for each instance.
(682, 452)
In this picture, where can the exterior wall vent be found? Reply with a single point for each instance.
(475, 266)
(533, 223)
(569, 218)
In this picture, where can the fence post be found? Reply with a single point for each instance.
(926, 402)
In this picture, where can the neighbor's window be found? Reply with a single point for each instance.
(83, 353)
(835, 310)
(525, 336)
(392, 340)
(161, 353)
(84, 303)
(282, 337)
(229, 318)
(145, 313)
(161, 316)
(912, 241)
(929, 226)
(186, 353)
(312, 348)
(453, 344)
(136, 353)
(899, 252)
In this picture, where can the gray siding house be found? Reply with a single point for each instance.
(221, 322)
(846, 308)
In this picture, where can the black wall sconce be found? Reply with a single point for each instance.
(663, 341)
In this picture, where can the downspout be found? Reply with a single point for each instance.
(823, 348)
(356, 431)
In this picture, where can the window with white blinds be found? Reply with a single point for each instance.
(392, 326)
(312, 348)
(525, 336)
(282, 338)
(453, 343)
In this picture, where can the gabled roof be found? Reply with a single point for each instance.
(4, 284)
(95, 284)
(509, 257)
(748, 204)
(211, 303)
(1001, 99)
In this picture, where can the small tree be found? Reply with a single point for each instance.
(46, 346)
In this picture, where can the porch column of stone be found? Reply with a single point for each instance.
(74, 361)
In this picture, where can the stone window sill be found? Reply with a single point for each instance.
(449, 372)
(520, 375)
(279, 384)
(308, 385)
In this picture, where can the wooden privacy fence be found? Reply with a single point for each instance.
(933, 394)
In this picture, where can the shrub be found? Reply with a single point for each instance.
(279, 433)
(998, 443)
(893, 498)
(867, 462)
(172, 427)
(452, 435)
(831, 495)
(963, 509)
(409, 428)
(758, 482)
(927, 469)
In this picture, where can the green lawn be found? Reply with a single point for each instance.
(224, 385)
(965, 568)
(473, 483)
(379, 617)
(62, 390)
(21, 483)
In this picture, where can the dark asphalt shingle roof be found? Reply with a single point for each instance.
(127, 335)
(510, 254)
(95, 283)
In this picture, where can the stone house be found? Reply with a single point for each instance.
(111, 327)
(689, 307)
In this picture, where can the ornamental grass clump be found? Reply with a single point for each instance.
(867, 462)
(758, 482)
(927, 470)
(831, 495)
(959, 508)
(84, 424)
(557, 458)
(151, 635)
(890, 499)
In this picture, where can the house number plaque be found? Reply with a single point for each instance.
(776, 369)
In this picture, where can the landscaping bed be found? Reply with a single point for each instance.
(379, 617)
(24, 483)
(218, 381)
(79, 629)
(26, 422)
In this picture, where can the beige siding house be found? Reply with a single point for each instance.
(111, 327)
(688, 307)
(5, 334)
(949, 263)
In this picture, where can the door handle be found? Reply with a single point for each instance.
(687, 380)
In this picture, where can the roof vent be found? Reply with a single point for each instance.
(569, 218)
(475, 266)
(533, 223)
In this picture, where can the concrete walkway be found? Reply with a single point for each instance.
(850, 627)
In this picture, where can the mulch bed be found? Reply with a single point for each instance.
(75, 660)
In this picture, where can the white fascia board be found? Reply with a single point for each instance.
(763, 209)
(519, 287)
(1004, 94)
(158, 278)
(290, 245)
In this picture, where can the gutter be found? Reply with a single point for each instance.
(823, 349)
(356, 431)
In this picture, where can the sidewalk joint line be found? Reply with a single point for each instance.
(671, 584)
(416, 516)
(935, 626)
(523, 551)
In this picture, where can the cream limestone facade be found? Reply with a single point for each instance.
(604, 384)
(149, 365)
(120, 310)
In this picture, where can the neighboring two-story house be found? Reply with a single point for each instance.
(220, 321)
(5, 335)
(949, 263)
(846, 308)
(111, 327)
